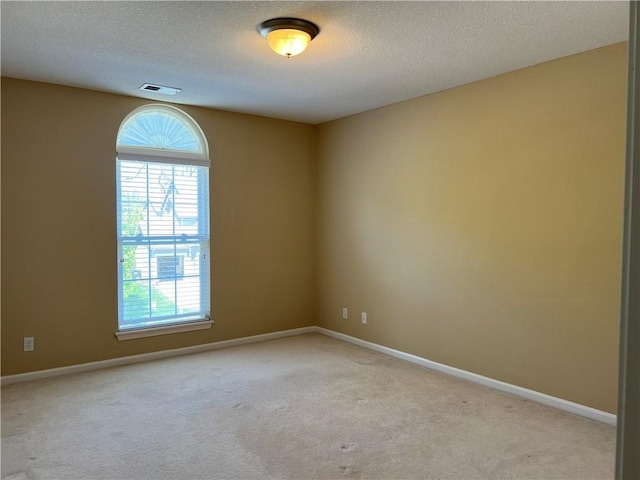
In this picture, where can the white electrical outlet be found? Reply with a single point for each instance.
(28, 344)
(364, 317)
(345, 313)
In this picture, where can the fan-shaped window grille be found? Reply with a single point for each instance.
(163, 220)
(162, 132)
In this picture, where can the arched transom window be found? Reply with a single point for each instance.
(162, 169)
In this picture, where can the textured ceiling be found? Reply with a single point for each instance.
(368, 54)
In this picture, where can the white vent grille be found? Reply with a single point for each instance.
(150, 87)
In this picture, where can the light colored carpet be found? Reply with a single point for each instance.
(303, 407)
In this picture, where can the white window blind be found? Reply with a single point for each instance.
(163, 221)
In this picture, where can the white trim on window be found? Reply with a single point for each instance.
(162, 178)
(147, 154)
(163, 330)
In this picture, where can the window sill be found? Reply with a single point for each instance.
(163, 330)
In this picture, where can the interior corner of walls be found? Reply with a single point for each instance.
(463, 194)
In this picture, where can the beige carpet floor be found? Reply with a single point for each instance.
(306, 407)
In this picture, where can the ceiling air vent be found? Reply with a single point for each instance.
(149, 87)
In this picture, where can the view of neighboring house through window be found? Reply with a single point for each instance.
(163, 219)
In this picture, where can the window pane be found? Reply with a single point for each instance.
(188, 285)
(159, 129)
(136, 301)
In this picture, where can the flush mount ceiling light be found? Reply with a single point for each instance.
(288, 36)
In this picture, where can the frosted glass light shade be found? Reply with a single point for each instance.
(288, 36)
(288, 42)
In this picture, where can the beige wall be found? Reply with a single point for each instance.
(481, 226)
(58, 226)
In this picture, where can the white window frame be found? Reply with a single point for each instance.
(147, 154)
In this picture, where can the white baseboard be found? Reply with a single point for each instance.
(543, 398)
(145, 357)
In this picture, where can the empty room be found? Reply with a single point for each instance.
(385, 240)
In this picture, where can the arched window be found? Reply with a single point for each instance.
(162, 171)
